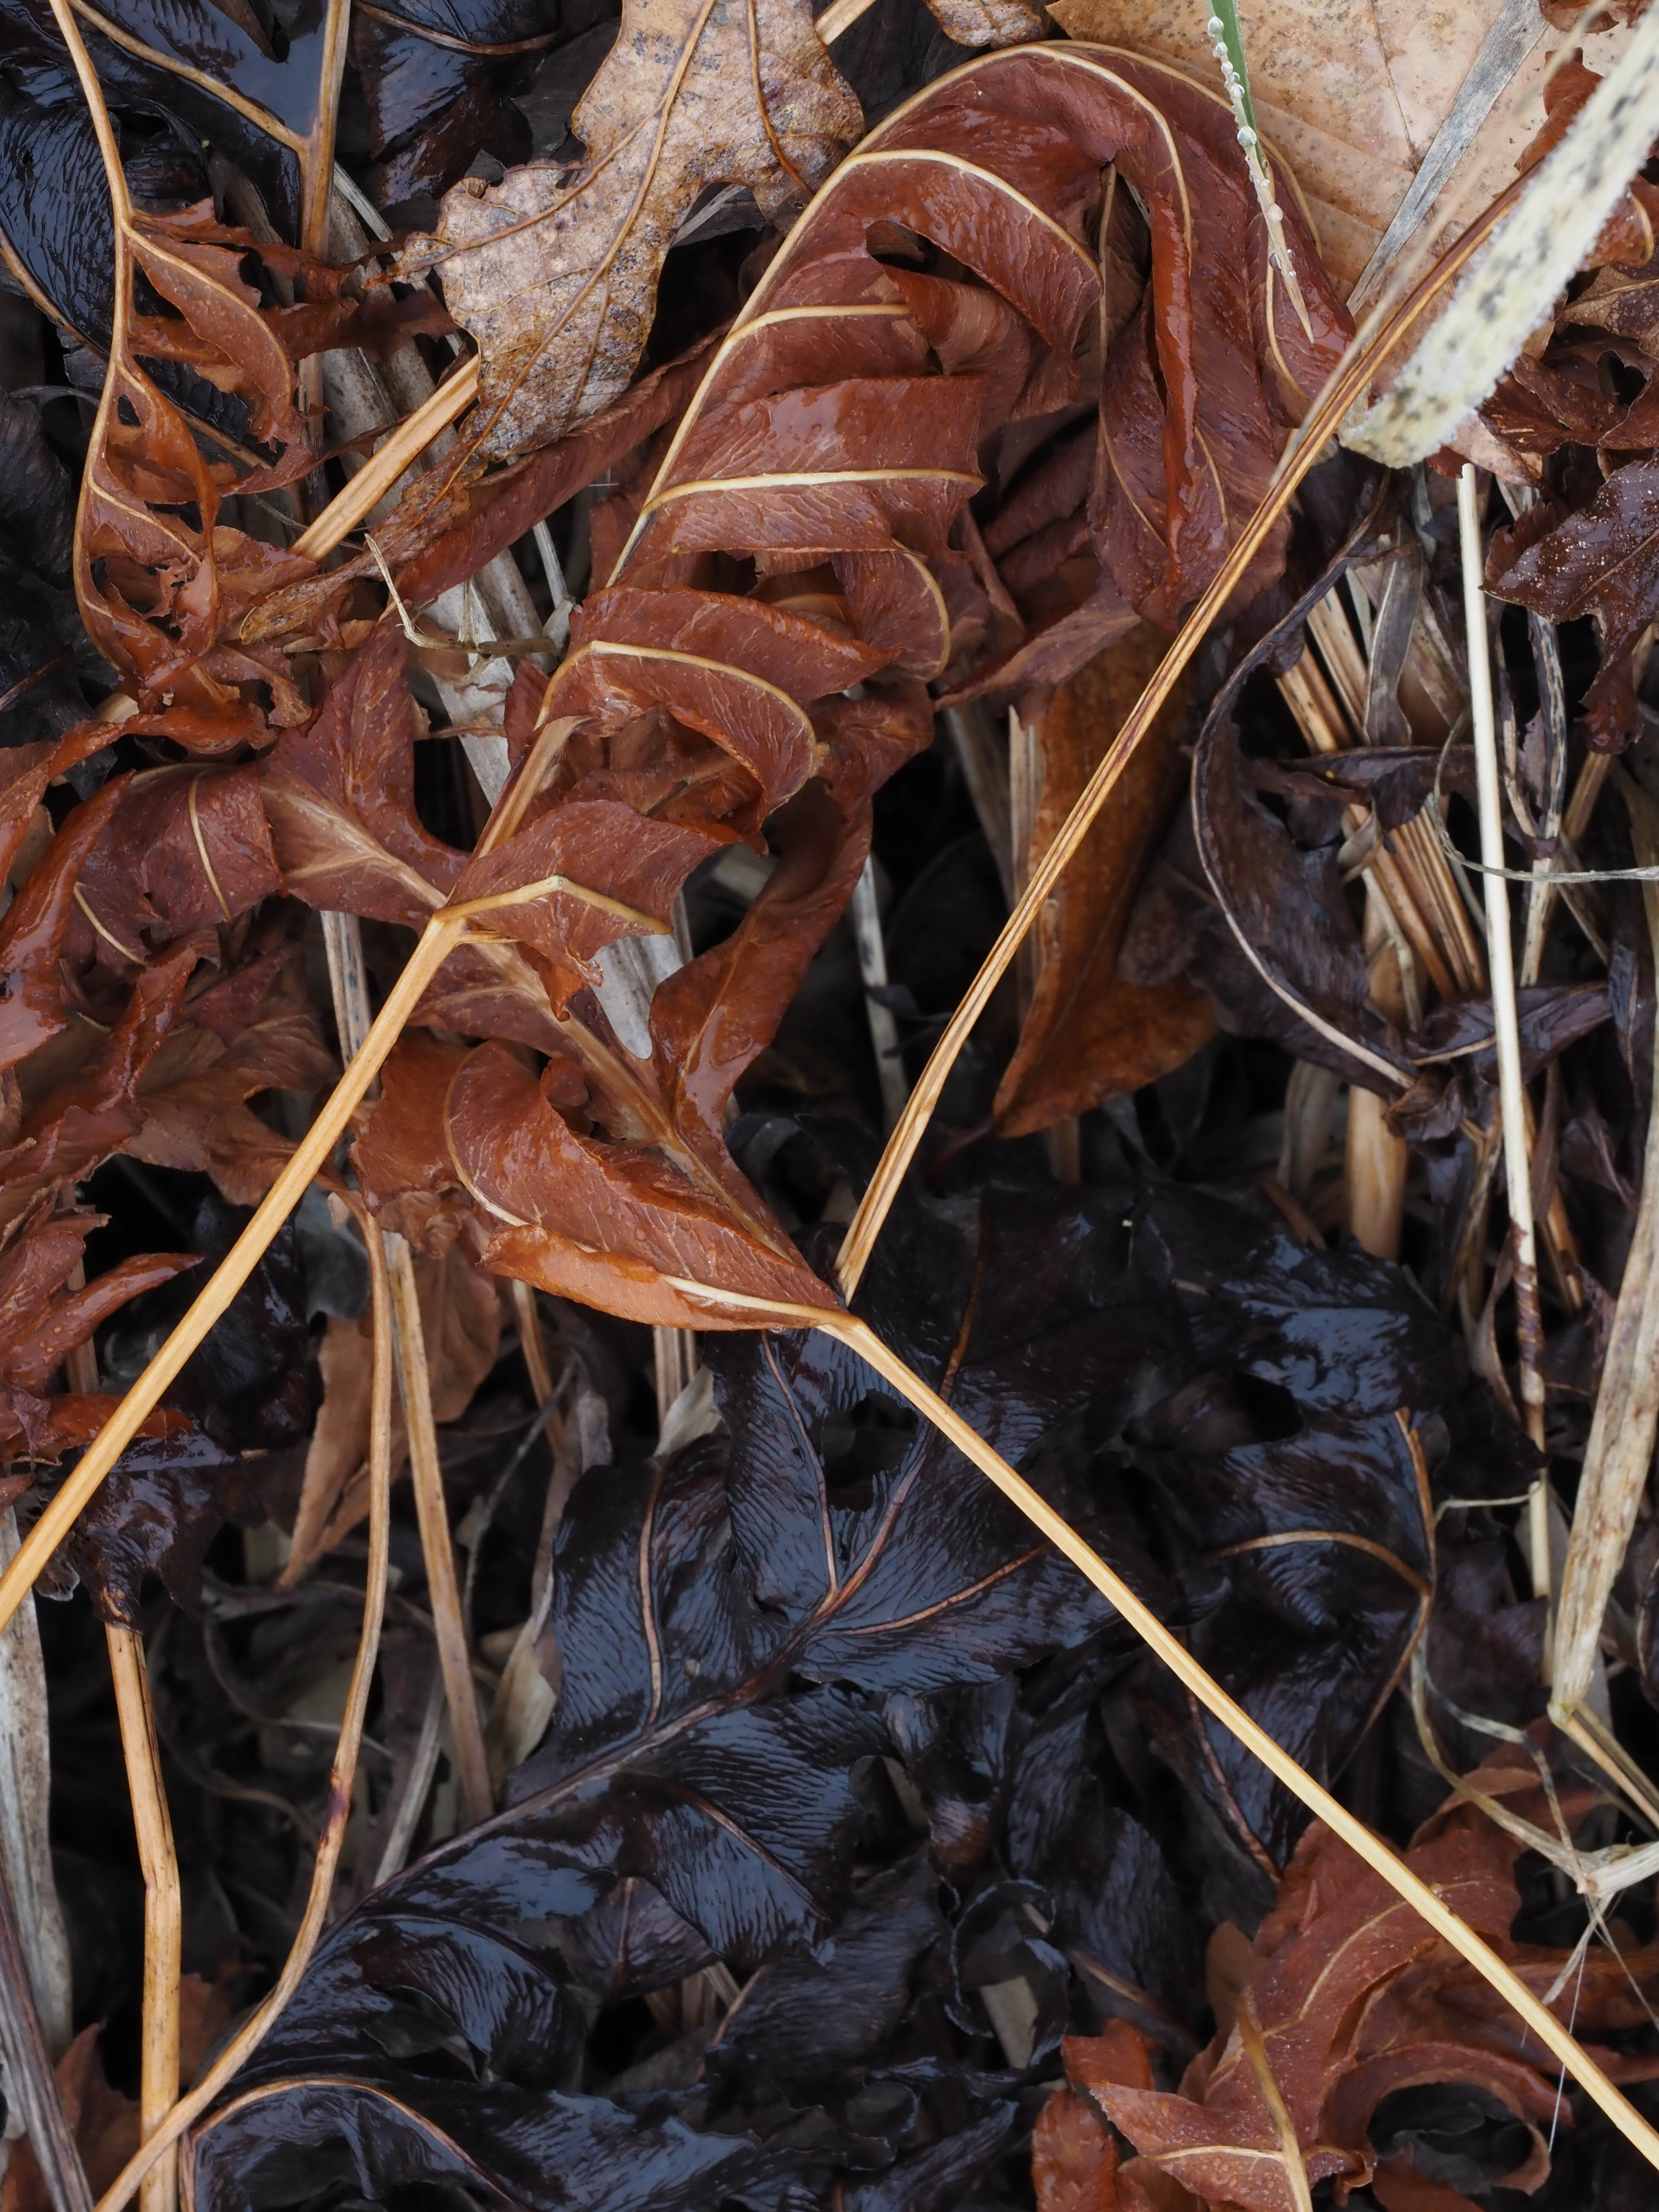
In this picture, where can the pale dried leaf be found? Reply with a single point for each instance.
(1353, 96)
(555, 272)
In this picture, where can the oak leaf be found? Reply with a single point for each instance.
(554, 273)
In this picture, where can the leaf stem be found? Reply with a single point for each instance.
(406, 444)
(1539, 2021)
(437, 1548)
(312, 1150)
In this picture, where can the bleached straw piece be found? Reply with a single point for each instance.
(1505, 1018)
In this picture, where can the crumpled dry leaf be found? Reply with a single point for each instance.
(1354, 100)
(1349, 1999)
(43, 1319)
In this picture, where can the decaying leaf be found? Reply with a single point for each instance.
(833, 443)
(1347, 2000)
(461, 1328)
(45, 1319)
(1088, 1034)
(555, 273)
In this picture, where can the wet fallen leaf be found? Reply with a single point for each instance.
(1089, 1035)
(1350, 2001)
(687, 97)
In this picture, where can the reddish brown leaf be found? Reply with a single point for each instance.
(34, 927)
(1352, 1998)
(187, 849)
(341, 797)
(1089, 1034)
(43, 1319)
(255, 1031)
(607, 1223)
(1073, 2157)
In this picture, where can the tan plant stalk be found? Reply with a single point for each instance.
(158, 1861)
(317, 159)
(471, 1767)
(58, 1515)
(1506, 1021)
(1621, 1447)
(444, 929)
(531, 1342)
(342, 1776)
(439, 938)
(1342, 389)
(30, 2077)
(164, 1912)
(343, 939)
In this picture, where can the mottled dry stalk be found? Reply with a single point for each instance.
(864, 914)
(29, 2071)
(1346, 386)
(674, 1365)
(164, 1909)
(1376, 1159)
(342, 1776)
(437, 1549)
(530, 1341)
(1505, 1018)
(25, 1817)
(1621, 1447)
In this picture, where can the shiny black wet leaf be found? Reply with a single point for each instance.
(166, 1500)
(55, 216)
(730, 1627)
(436, 77)
(247, 1386)
(41, 640)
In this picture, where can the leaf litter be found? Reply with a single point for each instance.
(849, 1848)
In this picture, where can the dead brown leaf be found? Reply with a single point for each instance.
(1089, 1034)
(461, 1324)
(555, 272)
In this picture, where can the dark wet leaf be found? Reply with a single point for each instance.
(435, 102)
(165, 1501)
(699, 1793)
(1602, 559)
